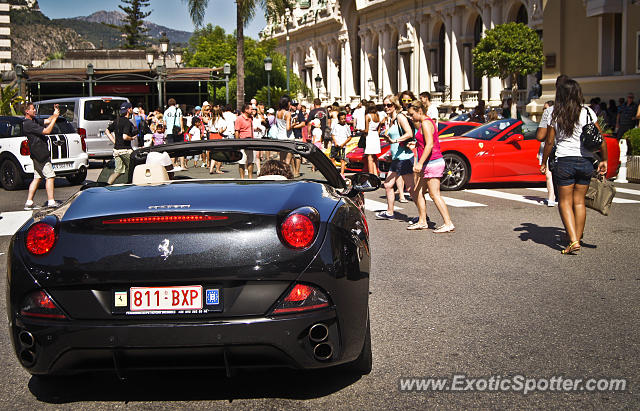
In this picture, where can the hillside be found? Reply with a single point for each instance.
(35, 37)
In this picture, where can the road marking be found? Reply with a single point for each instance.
(615, 199)
(628, 191)
(454, 202)
(11, 221)
(373, 205)
(508, 196)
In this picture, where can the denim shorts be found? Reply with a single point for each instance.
(401, 167)
(573, 170)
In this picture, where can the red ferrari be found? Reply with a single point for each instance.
(501, 151)
(355, 160)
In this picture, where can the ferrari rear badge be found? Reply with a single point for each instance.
(165, 248)
(481, 145)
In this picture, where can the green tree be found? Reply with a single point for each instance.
(9, 99)
(212, 47)
(509, 50)
(245, 11)
(134, 25)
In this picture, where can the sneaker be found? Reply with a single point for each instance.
(551, 203)
(383, 215)
(415, 220)
(55, 204)
(30, 207)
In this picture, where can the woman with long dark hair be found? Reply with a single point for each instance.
(574, 164)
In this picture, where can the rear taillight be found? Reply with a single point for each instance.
(159, 219)
(302, 298)
(82, 132)
(24, 148)
(41, 238)
(84, 144)
(38, 304)
(298, 231)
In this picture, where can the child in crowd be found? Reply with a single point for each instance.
(341, 135)
(195, 134)
(159, 136)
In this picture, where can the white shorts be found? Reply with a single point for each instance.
(247, 157)
(43, 170)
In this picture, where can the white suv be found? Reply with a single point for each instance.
(68, 153)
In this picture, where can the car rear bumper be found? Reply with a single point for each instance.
(80, 346)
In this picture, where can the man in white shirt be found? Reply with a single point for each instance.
(173, 120)
(230, 119)
(359, 115)
(432, 111)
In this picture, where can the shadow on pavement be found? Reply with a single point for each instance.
(196, 385)
(550, 236)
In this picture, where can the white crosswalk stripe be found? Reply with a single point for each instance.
(617, 200)
(373, 205)
(507, 196)
(11, 221)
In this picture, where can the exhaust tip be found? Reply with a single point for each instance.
(318, 332)
(323, 351)
(28, 358)
(26, 339)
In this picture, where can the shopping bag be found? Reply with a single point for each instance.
(600, 194)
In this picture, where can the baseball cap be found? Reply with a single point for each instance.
(206, 103)
(125, 106)
(271, 111)
(294, 103)
(198, 108)
(136, 110)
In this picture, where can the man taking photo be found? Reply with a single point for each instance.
(121, 132)
(39, 152)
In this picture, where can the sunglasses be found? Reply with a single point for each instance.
(389, 105)
(406, 100)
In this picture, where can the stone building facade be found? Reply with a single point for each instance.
(371, 48)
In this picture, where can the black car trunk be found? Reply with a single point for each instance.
(227, 236)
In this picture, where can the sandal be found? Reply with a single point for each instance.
(445, 228)
(572, 248)
(418, 226)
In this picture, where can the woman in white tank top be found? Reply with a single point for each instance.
(372, 148)
(283, 125)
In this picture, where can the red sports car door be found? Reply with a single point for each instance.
(515, 155)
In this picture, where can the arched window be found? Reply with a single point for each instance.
(522, 16)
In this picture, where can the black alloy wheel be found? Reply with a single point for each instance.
(78, 178)
(456, 172)
(10, 175)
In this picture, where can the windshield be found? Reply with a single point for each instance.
(264, 166)
(490, 130)
(102, 109)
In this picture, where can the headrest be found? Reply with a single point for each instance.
(150, 174)
(273, 177)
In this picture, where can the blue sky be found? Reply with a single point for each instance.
(169, 13)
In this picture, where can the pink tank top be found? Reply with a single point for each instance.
(420, 143)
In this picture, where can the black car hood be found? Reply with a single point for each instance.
(252, 197)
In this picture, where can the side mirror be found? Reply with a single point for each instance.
(364, 182)
(514, 138)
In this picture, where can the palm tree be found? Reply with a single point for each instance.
(245, 10)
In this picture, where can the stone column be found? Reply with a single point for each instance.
(386, 63)
(348, 89)
(495, 85)
(456, 55)
(363, 58)
(447, 52)
(486, 25)
(423, 73)
(381, 66)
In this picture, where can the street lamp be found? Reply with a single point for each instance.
(164, 46)
(151, 56)
(268, 65)
(90, 72)
(226, 70)
(318, 80)
(21, 72)
(178, 54)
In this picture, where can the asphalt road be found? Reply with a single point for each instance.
(493, 298)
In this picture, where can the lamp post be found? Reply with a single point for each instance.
(20, 74)
(178, 55)
(164, 47)
(226, 70)
(90, 73)
(151, 56)
(318, 80)
(161, 72)
(268, 65)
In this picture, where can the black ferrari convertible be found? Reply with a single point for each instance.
(177, 268)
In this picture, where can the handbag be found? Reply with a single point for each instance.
(590, 137)
(362, 142)
(600, 194)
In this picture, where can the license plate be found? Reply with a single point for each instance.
(61, 166)
(165, 298)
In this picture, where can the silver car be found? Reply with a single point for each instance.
(90, 116)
